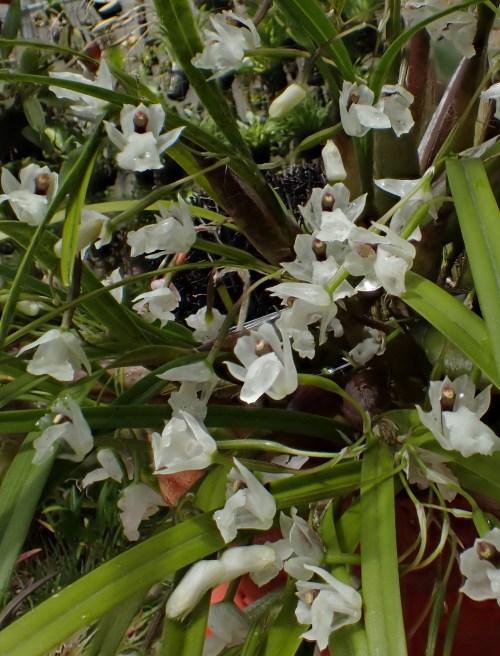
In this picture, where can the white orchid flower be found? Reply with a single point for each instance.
(455, 417)
(31, 195)
(423, 467)
(74, 431)
(138, 502)
(248, 504)
(183, 445)
(92, 230)
(493, 93)
(157, 304)
(228, 625)
(383, 260)
(373, 345)
(479, 565)
(110, 468)
(326, 200)
(205, 326)
(357, 113)
(267, 365)
(228, 42)
(140, 141)
(326, 606)
(395, 102)
(59, 354)
(172, 233)
(84, 104)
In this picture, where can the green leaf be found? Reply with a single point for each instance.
(284, 635)
(186, 638)
(379, 557)
(19, 496)
(84, 601)
(11, 25)
(458, 324)
(479, 218)
(34, 113)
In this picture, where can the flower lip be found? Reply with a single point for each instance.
(42, 184)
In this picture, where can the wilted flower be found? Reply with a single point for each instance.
(110, 468)
(140, 142)
(286, 101)
(85, 105)
(74, 431)
(172, 233)
(227, 45)
(183, 445)
(59, 354)
(31, 195)
(248, 504)
(157, 304)
(138, 502)
(455, 417)
(326, 606)
(480, 565)
(267, 366)
(357, 113)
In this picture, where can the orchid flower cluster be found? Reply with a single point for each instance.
(343, 296)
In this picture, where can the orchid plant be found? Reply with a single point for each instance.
(275, 482)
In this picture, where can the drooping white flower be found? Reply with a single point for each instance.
(332, 161)
(31, 195)
(458, 28)
(326, 606)
(84, 104)
(383, 260)
(74, 431)
(183, 445)
(423, 466)
(157, 304)
(395, 102)
(357, 113)
(227, 43)
(248, 504)
(493, 93)
(138, 502)
(59, 354)
(286, 101)
(373, 345)
(172, 233)
(267, 365)
(479, 565)
(228, 625)
(92, 230)
(110, 468)
(455, 417)
(206, 574)
(140, 141)
(205, 327)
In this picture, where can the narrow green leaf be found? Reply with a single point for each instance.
(479, 218)
(11, 25)
(458, 324)
(379, 557)
(284, 636)
(19, 496)
(186, 638)
(34, 113)
(121, 578)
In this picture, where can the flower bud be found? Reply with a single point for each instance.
(286, 101)
(28, 308)
(332, 161)
(202, 576)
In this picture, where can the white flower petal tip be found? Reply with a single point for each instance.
(84, 104)
(138, 502)
(479, 565)
(59, 355)
(326, 606)
(248, 504)
(455, 417)
(184, 445)
(332, 161)
(286, 101)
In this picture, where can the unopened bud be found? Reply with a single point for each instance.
(332, 161)
(140, 122)
(286, 101)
